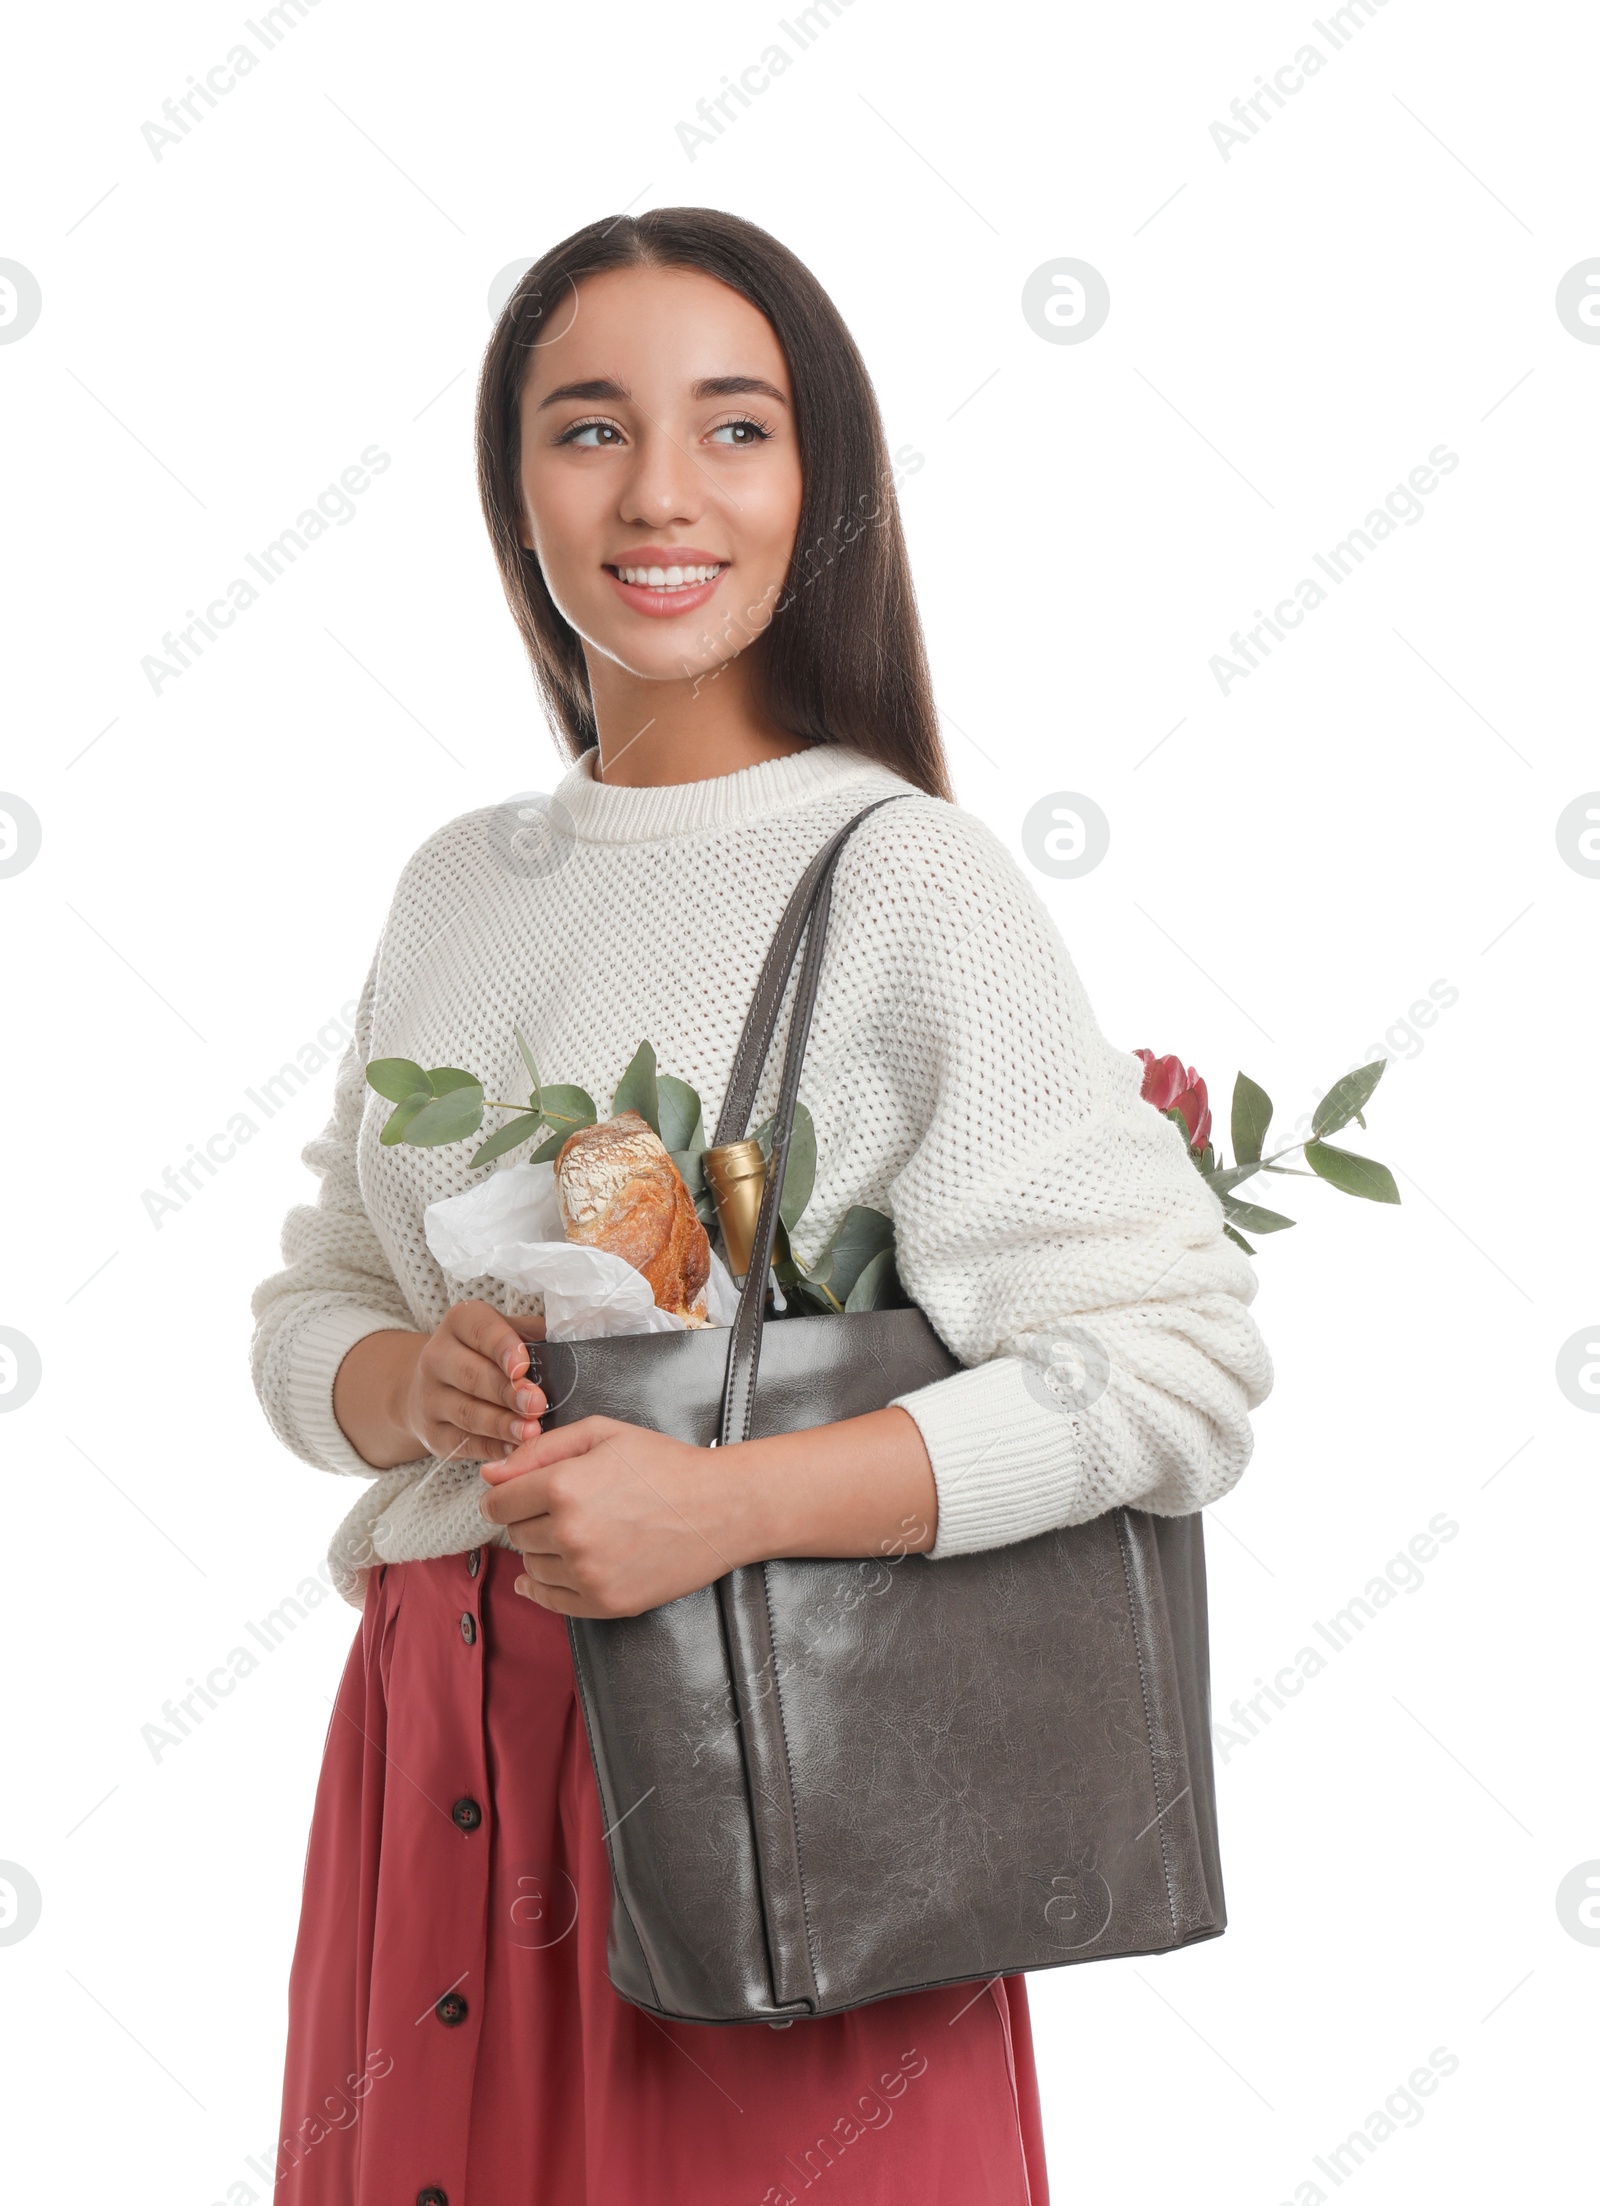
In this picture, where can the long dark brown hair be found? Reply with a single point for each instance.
(843, 659)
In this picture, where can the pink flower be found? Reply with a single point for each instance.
(1167, 1084)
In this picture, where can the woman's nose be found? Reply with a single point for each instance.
(664, 483)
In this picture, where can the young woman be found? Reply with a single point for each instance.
(686, 483)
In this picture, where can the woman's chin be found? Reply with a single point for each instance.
(663, 656)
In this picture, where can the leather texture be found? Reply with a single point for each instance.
(825, 1783)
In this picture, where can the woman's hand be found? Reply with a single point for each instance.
(461, 1390)
(612, 1519)
(469, 1384)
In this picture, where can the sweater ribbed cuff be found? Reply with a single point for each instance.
(316, 1352)
(1006, 1462)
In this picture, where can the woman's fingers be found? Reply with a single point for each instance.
(450, 1406)
(467, 1369)
(451, 1445)
(541, 1449)
(557, 1599)
(533, 1536)
(502, 1344)
(547, 1574)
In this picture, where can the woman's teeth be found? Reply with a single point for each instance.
(669, 578)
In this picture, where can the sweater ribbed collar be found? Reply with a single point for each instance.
(594, 812)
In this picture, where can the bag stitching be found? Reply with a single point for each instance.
(1144, 1694)
(794, 1811)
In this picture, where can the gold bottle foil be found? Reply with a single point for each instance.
(736, 1174)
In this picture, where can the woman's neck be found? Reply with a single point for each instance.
(654, 735)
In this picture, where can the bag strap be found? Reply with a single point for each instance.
(805, 914)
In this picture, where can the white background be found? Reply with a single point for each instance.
(1372, 811)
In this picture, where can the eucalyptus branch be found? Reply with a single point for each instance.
(1181, 1095)
(854, 1270)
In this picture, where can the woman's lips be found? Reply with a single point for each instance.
(662, 604)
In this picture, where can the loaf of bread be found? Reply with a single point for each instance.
(619, 1190)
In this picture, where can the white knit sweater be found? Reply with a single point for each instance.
(957, 1080)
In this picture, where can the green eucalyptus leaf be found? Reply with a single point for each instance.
(637, 1089)
(691, 1168)
(1344, 1101)
(548, 1151)
(1221, 1182)
(705, 1209)
(1239, 1237)
(1172, 1111)
(1252, 1217)
(565, 1109)
(800, 1168)
(397, 1078)
(448, 1117)
(533, 1070)
(877, 1287)
(1351, 1174)
(812, 1295)
(511, 1136)
(400, 1118)
(1251, 1116)
(447, 1079)
(860, 1235)
(679, 1107)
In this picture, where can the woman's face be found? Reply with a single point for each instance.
(660, 471)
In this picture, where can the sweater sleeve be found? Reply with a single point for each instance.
(1052, 1227)
(337, 1285)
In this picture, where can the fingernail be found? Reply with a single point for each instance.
(529, 1400)
(519, 1428)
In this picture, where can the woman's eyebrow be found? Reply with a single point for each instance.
(600, 386)
(709, 386)
(736, 386)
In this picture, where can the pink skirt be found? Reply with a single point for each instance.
(453, 2036)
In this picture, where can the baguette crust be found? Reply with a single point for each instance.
(619, 1190)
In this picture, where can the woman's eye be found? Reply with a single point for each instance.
(596, 435)
(742, 433)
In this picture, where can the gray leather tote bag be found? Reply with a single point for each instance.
(824, 1783)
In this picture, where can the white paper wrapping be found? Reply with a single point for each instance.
(509, 1228)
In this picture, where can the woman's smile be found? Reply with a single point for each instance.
(664, 580)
